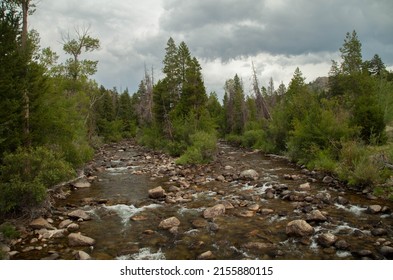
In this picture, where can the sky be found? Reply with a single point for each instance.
(226, 36)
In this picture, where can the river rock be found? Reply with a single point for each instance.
(316, 216)
(304, 187)
(266, 211)
(73, 227)
(220, 178)
(77, 239)
(206, 255)
(374, 209)
(81, 185)
(169, 223)
(253, 207)
(326, 239)
(79, 214)
(158, 192)
(41, 223)
(215, 211)
(341, 244)
(81, 255)
(200, 223)
(299, 228)
(258, 245)
(246, 213)
(56, 233)
(227, 204)
(379, 231)
(249, 174)
(387, 251)
(65, 223)
(327, 180)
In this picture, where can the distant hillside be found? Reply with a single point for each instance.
(320, 84)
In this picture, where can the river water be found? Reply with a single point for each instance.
(125, 222)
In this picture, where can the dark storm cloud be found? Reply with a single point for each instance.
(230, 29)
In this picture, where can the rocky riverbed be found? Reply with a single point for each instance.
(137, 204)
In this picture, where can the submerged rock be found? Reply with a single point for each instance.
(299, 228)
(316, 216)
(215, 211)
(169, 223)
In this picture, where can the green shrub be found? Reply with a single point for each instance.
(202, 149)
(9, 231)
(151, 137)
(26, 175)
(357, 166)
(324, 161)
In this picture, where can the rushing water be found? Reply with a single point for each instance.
(127, 227)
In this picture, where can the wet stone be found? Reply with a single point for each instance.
(206, 255)
(341, 244)
(214, 211)
(200, 223)
(379, 231)
(169, 223)
(299, 228)
(374, 209)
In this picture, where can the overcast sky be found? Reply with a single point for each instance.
(225, 35)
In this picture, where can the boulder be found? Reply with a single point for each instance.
(299, 228)
(266, 211)
(327, 180)
(374, 209)
(379, 231)
(169, 223)
(326, 239)
(72, 227)
(156, 193)
(220, 178)
(77, 239)
(253, 207)
(56, 233)
(65, 223)
(41, 223)
(214, 211)
(341, 244)
(316, 216)
(79, 214)
(387, 251)
(249, 174)
(81, 255)
(205, 256)
(304, 187)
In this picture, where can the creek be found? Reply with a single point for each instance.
(125, 221)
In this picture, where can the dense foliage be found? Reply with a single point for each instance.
(53, 114)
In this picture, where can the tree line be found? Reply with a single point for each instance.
(53, 114)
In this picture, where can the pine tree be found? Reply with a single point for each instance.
(351, 54)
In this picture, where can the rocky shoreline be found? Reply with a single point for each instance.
(57, 235)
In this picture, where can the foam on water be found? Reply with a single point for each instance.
(144, 254)
(343, 254)
(125, 212)
(355, 209)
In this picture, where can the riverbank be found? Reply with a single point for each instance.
(135, 203)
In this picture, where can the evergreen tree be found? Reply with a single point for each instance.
(351, 54)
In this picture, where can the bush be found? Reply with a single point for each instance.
(202, 149)
(27, 173)
(357, 166)
(9, 231)
(151, 137)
